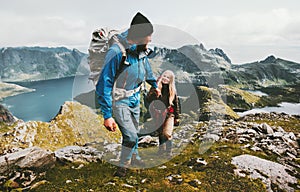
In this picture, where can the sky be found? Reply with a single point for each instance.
(246, 31)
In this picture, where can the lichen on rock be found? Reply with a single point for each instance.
(76, 124)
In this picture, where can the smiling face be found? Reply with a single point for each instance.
(166, 78)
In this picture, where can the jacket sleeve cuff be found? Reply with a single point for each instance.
(106, 116)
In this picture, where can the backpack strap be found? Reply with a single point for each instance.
(119, 93)
(115, 40)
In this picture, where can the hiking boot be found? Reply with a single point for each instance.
(137, 162)
(168, 154)
(161, 150)
(121, 172)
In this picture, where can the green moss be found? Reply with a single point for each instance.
(247, 96)
(4, 127)
(12, 186)
(212, 106)
(278, 94)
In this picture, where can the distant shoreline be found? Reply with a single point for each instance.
(36, 80)
(11, 89)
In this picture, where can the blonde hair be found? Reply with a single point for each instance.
(172, 88)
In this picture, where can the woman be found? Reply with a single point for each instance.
(164, 109)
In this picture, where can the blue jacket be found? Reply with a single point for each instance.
(131, 77)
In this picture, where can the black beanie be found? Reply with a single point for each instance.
(140, 27)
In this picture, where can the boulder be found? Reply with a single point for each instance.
(269, 172)
(77, 154)
(33, 157)
(5, 115)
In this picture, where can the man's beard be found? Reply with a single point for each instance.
(141, 48)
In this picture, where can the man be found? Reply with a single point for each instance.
(119, 84)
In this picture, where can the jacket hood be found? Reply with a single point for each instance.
(123, 39)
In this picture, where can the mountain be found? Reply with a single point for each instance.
(195, 64)
(269, 72)
(38, 63)
(194, 57)
(190, 63)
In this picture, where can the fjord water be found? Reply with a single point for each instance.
(44, 103)
(284, 107)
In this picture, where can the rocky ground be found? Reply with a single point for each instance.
(282, 147)
(255, 153)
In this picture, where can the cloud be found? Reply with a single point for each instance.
(250, 28)
(43, 31)
(250, 36)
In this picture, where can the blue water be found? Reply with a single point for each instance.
(284, 107)
(44, 103)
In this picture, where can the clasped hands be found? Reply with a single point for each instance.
(158, 92)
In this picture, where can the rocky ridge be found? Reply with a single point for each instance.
(28, 146)
(265, 139)
(6, 116)
(191, 64)
(69, 128)
(195, 64)
(269, 72)
(38, 63)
